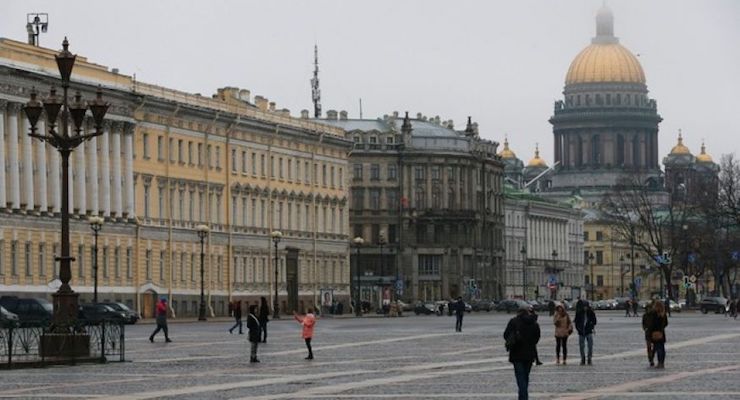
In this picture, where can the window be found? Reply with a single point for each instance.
(218, 157)
(27, 259)
(306, 172)
(358, 199)
(429, 264)
(391, 200)
(392, 172)
(341, 178)
(129, 263)
(200, 154)
(2, 257)
(280, 168)
(420, 197)
(263, 170)
(374, 172)
(392, 236)
(233, 160)
(450, 174)
(585, 238)
(192, 267)
(419, 173)
(450, 198)
(357, 171)
(323, 174)
(389, 140)
(161, 265)
(436, 197)
(272, 166)
(180, 151)
(190, 153)
(357, 230)
(599, 280)
(148, 262)
(331, 176)
(209, 159)
(81, 261)
(435, 173)
(254, 163)
(160, 148)
(42, 259)
(171, 149)
(117, 262)
(599, 257)
(146, 201)
(375, 199)
(290, 169)
(145, 144)
(599, 236)
(105, 262)
(14, 258)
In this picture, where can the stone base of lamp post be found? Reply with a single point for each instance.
(62, 341)
(202, 311)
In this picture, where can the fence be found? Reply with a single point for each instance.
(20, 345)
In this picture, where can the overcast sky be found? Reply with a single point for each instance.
(502, 62)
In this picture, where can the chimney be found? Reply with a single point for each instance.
(283, 112)
(114, 70)
(244, 95)
(418, 116)
(331, 115)
(343, 115)
(395, 114)
(304, 114)
(260, 102)
(436, 119)
(272, 106)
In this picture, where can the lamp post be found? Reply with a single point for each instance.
(358, 241)
(65, 299)
(523, 251)
(276, 237)
(96, 224)
(557, 274)
(381, 242)
(202, 234)
(591, 281)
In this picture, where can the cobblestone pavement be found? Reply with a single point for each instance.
(416, 357)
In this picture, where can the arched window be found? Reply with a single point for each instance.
(420, 197)
(451, 198)
(436, 197)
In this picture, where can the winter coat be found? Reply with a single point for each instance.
(459, 307)
(563, 325)
(585, 322)
(308, 321)
(253, 325)
(527, 331)
(656, 323)
(161, 313)
(238, 312)
(264, 314)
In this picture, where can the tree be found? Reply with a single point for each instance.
(646, 216)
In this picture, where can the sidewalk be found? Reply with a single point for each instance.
(152, 321)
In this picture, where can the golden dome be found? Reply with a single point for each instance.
(506, 153)
(680, 148)
(537, 162)
(605, 60)
(704, 157)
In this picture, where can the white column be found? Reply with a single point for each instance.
(105, 170)
(3, 198)
(71, 175)
(55, 167)
(81, 201)
(27, 170)
(128, 152)
(92, 184)
(14, 173)
(116, 184)
(41, 181)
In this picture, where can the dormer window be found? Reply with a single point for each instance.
(389, 140)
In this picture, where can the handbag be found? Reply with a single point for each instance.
(656, 336)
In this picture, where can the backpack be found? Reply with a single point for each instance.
(515, 338)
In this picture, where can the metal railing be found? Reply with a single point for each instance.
(20, 346)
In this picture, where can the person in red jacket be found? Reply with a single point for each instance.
(308, 321)
(161, 320)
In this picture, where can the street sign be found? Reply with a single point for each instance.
(638, 282)
(399, 285)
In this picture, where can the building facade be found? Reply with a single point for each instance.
(428, 202)
(543, 246)
(167, 162)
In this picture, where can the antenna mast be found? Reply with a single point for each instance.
(315, 91)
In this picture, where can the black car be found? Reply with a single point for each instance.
(131, 315)
(425, 308)
(8, 319)
(715, 304)
(30, 312)
(95, 313)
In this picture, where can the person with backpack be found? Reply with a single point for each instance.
(585, 323)
(161, 321)
(656, 328)
(522, 335)
(459, 307)
(254, 333)
(236, 311)
(563, 329)
(308, 322)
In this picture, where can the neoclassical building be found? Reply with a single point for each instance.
(167, 162)
(428, 201)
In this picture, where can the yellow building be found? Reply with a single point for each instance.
(167, 162)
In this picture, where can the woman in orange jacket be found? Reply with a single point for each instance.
(308, 321)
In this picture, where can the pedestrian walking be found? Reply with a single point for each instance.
(585, 325)
(459, 306)
(635, 307)
(264, 315)
(627, 308)
(551, 307)
(646, 321)
(522, 334)
(254, 332)
(531, 312)
(236, 309)
(308, 321)
(563, 329)
(161, 315)
(656, 326)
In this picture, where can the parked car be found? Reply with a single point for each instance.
(30, 312)
(131, 315)
(482, 305)
(510, 305)
(8, 319)
(716, 304)
(95, 313)
(425, 308)
(405, 306)
(621, 303)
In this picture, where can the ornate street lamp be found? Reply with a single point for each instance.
(276, 237)
(96, 224)
(202, 234)
(65, 299)
(523, 251)
(358, 241)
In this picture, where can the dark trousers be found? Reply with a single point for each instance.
(650, 351)
(561, 342)
(521, 372)
(238, 322)
(458, 323)
(253, 350)
(160, 327)
(660, 351)
(308, 345)
(263, 331)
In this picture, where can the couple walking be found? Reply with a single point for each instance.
(256, 327)
(262, 317)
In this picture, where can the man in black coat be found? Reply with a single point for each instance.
(521, 335)
(585, 322)
(459, 306)
(255, 330)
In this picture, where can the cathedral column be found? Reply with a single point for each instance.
(128, 151)
(116, 186)
(55, 167)
(27, 166)
(92, 166)
(105, 169)
(80, 200)
(14, 174)
(41, 181)
(3, 198)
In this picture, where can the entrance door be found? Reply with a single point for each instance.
(150, 300)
